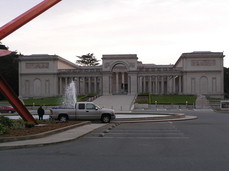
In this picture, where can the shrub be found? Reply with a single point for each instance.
(18, 124)
(3, 129)
(6, 121)
(29, 124)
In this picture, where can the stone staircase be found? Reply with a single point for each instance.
(202, 102)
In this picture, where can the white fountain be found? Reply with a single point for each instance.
(70, 96)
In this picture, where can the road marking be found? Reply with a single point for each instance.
(148, 138)
(166, 131)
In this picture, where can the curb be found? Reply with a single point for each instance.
(43, 134)
(187, 117)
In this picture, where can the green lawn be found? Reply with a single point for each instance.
(165, 99)
(50, 101)
(161, 99)
(173, 99)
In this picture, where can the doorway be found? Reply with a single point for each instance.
(119, 79)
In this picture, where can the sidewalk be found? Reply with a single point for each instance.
(68, 135)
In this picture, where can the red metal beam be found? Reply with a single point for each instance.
(15, 101)
(26, 17)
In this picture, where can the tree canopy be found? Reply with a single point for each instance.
(9, 70)
(226, 82)
(87, 60)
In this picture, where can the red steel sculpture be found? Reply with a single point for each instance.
(5, 31)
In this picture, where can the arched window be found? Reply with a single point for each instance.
(37, 87)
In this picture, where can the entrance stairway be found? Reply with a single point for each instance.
(117, 102)
(202, 102)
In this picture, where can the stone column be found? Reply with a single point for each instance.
(78, 87)
(65, 83)
(153, 86)
(123, 81)
(171, 84)
(95, 85)
(60, 86)
(139, 84)
(167, 88)
(180, 91)
(129, 84)
(100, 85)
(174, 85)
(117, 87)
(83, 85)
(144, 84)
(162, 85)
(76, 79)
(150, 84)
(156, 85)
(89, 85)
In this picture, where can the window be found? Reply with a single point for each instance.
(81, 106)
(90, 106)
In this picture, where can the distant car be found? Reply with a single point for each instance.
(7, 109)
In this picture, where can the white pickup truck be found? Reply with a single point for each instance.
(83, 111)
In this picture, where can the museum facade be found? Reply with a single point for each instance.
(194, 73)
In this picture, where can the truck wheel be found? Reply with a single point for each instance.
(63, 118)
(106, 119)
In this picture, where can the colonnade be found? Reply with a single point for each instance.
(84, 84)
(160, 84)
(120, 83)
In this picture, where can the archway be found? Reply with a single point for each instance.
(119, 79)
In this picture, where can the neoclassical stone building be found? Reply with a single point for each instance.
(193, 73)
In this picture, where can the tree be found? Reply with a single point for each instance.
(226, 82)
(87, 60)
(9, 70)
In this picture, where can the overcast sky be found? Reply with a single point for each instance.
(158, 31)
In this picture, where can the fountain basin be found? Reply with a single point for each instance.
(125, 117)
(129, 116)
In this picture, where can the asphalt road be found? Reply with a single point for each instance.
(195, 145)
